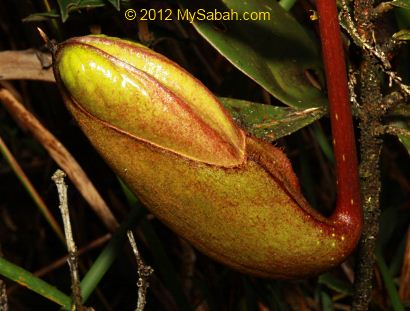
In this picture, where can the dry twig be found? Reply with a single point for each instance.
(61, 155)
(72, 260)
(143, 274)
(26, 65)
(396, 131)
(15, 166)
(374, 50)
(59, 262)
(3, 297)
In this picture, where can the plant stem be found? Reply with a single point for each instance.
(348, 202)
(370, 146)
(144, 272)
(72, 260)
(370, 177)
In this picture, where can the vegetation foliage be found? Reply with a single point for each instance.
(269, 75)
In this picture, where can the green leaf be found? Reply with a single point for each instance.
(67, 6)
(130, 196)
(402, 35)
(287, 4)
(270, 122)
(335, 284)
(405, 141)
(405, 4)
(324, 144)
(109, 254)
(399, 118)
(39, 17)
(35, 284)
(276, 53)
(402, 17)
(388, 282)
(115, 3)
(327, 303)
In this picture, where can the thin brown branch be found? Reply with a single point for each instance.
(26, 65)
(404, 289)
(143, 272)
(383, 8)
(396, 131)
(392, 100)
(60, 154)
(59, 262)
(58, 178)
(359, 40)
(352, 82)
(372, 48)
(3, 297)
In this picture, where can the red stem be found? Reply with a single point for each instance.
(348, 208)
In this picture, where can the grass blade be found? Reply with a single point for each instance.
(35, 284)
(389, 283)
(4, 150)
(109, 254)
(61, 155)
